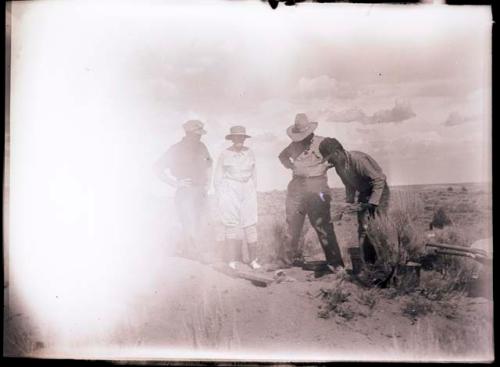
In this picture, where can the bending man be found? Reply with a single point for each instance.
(360, 173)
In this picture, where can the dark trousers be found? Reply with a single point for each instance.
(191, 203)
(310, 197)
(367, 249)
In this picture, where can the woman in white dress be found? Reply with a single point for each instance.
(235, 184)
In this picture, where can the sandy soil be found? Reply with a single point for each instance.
(207, 314)
(186, 309)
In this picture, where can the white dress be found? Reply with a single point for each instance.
(235, 184)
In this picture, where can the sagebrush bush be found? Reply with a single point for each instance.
(335, 303)
(395, 236)
(369, 298)
(440, 219)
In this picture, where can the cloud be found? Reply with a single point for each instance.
(266, 137)
(400, 112)
(456, 118)
(325, 87)
(349, 115)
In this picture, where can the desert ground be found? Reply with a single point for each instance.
(186, 309)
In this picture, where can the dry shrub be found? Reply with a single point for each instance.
(396, 237)
(440, 219)
(457, 269)
(406, 208)
(335, 303)
(382, 234)
(369, 298)
(451, 235)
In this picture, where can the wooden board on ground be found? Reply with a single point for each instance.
(256, 278)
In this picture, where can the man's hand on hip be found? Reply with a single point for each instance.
(185, 182)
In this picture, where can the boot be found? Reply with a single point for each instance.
(252, 252)
(233, 252)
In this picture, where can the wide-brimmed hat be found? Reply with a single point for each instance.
(237, 131)
(301, 128)
(194, 126)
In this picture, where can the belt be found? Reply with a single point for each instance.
(308, 177)
(237, 180)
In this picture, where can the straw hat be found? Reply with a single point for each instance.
(237, 131)
(301, 128)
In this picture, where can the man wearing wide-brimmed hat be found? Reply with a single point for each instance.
(187, 167)
(235, 184)
(307, 193)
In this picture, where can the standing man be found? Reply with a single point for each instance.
(360, 173)
(187, 167)
(308, 193)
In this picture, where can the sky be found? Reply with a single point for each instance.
(408, 85)
(100, 89)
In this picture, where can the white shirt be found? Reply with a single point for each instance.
(237, 166)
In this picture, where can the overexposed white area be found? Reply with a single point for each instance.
(99, 90)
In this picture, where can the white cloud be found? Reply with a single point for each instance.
(349, 115)
(456, 118)
(401, 111)
(325, 87)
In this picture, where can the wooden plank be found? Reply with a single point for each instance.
(256, 278)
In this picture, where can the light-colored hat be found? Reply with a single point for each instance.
(194, 126)
(302, 127)
(237, 131)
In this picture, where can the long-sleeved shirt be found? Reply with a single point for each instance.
(188, 159)
(237, 166)
(362, 174)
(304, 162)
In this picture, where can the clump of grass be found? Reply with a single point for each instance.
(452, 235)
(450, 189)
(369, 298)
(335, 303)
(382, 234)
(406, 209)
(458, 270)
(440, 219)
(395, 236)
(416, 307)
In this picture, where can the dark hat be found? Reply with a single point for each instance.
(328, 147)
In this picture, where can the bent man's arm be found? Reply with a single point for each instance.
(161, 168)
(372, 170)
(284, 158)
